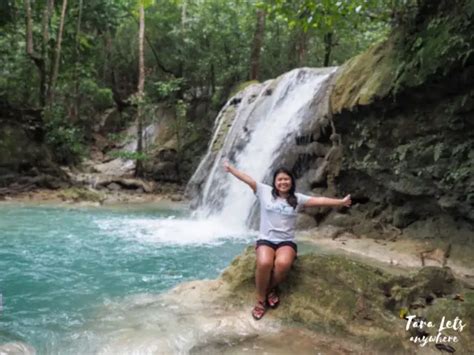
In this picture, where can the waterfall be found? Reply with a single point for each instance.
(253, 131)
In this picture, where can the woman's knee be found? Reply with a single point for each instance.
(264, 263)
(283, 264)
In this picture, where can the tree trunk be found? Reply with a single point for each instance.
(257, 45)
(182, 46)
(76, 104)
(183, 15)
(35, 57)
(292, 59)
(57, 56)
(48, 10)
(302, 45)
(141, 88)
(29, 30)
(328, 44)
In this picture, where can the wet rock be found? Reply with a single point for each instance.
(114, 186)
(176, 197)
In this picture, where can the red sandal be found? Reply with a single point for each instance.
(259, 310)
(273, 300)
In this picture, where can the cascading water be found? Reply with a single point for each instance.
(263, 127)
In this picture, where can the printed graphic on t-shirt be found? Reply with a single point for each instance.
(280, 207)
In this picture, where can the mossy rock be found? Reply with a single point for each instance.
(365, 78)
(81, 194)
(226, 123)
(336, 295)
(241, 86)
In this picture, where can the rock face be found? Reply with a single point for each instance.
(20, 140)
(402, 141)
(25, 161)
(403, 110)
(338, 296)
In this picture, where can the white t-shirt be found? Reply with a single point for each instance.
(277, 217)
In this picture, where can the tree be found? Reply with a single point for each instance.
(328, 18)
(257, 44)
(75, 111)
(140, 93)
(57, 55)
(39, 59)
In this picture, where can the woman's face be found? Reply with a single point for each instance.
(283, 182)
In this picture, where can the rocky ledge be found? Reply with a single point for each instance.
(330, 304)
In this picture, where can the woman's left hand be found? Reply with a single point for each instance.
(346, 201)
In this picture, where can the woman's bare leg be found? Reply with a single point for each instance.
(265, 259)
(284, 258)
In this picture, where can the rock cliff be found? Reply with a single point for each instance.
(401, 129)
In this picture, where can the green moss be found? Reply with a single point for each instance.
(81, 194)
(387, 343)
(241, 86)
(226, 123)
(336, 295)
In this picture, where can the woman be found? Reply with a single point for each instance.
(276, 249)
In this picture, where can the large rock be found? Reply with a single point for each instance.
(339, 296)
(402, 110)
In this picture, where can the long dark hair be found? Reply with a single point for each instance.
(291, 199)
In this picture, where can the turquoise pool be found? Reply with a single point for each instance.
(59, 266)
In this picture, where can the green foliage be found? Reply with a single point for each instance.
(65, 140)
(100, 98)
(191, 57)
(116, 137)
(438, 151)
(352, 25)
(166, 90)
(438, 44)
(328, 15)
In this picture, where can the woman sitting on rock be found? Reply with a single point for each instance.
(275, 248)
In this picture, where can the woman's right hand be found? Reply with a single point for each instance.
(240, 175)
(227, 166)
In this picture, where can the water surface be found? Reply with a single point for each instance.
(59, 266)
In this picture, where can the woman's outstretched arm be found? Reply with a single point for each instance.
(330, 202)
(241, 176)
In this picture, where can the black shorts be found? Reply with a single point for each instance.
(275, 246)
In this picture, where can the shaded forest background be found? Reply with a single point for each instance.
(66, 62)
